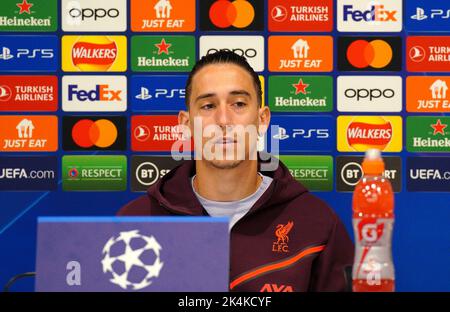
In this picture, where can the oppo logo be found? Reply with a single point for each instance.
(371, 94)
(249, 53)
(97, 13)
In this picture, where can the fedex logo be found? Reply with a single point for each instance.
(85, 94)
(100, 93)
(376, 13)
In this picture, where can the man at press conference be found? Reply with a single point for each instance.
(282, 237)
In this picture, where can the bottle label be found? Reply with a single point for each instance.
(373, 256)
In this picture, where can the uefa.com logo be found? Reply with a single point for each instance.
(226, 143)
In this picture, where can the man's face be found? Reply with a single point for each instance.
(224, 99)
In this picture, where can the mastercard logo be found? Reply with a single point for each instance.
(101, 133)
(238, 13)
(94, 53)
(376, 54)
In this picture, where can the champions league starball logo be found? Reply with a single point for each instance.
(132, 259)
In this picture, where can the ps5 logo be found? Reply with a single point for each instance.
(434, 13)
(160, 93)
(302, 133)
(26, 53)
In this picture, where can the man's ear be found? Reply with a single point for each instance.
(263, 120)
(183, 118)
(184, 121)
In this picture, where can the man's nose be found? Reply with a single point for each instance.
(223, 116)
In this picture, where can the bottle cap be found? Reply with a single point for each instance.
(373, 163)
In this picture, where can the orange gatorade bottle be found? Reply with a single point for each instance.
(373, 220)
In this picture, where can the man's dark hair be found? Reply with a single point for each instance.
(223, 57)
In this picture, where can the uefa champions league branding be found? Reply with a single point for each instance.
(132, 260)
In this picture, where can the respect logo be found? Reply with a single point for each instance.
(94, 53)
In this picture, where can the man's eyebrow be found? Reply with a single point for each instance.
(234, 92)
(240, 92)
(203, 96)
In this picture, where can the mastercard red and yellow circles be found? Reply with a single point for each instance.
(101, 133)
(376, 53)
(238, 13)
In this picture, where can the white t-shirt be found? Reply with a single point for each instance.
(235, 210)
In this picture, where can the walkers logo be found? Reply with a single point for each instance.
(428, 54)
(28, 15)
(94, 16)
(99, 173)
(360, 133)
(154, 133)
(295, 133)
(428, 134)
(369, 15)
(94, 53)
(369, 93)
(28, 173)
(304, 54)
(251, 47)
(428, 174)
(314, 172)
(94, 133)
(147, 170)
(28, 133)
(369, 53)
(94, 93)
(158, 93)
(427, 16)
(426, 94)
(232, 15)
(349, 172)
(163, 15)
(29, 93)
(29, 53)
(166, 54)
(282, 236)
(301, 93)
(292, 16)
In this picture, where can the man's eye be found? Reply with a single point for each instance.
(207, 106)
(240, 104)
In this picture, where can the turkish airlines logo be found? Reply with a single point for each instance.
(428, 53)
(5, 93)
(279, 13)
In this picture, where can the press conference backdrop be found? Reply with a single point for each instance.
(97, 84)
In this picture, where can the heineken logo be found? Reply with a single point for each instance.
(428, 134)
(169, 53)
(27, 15)
(300, 94)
